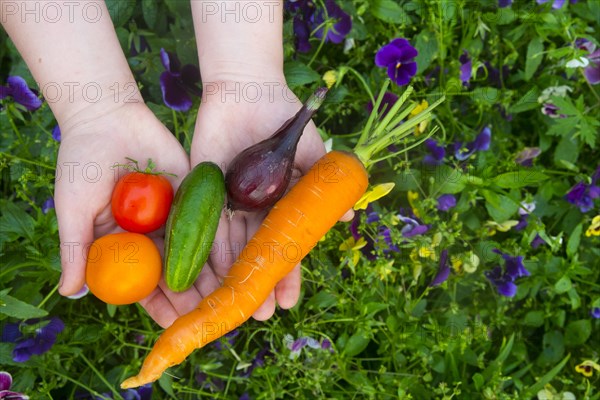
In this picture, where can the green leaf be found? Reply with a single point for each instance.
(427, 46)
(526, 103)
(448, 180)
(532, 390)
(534, 318)
(15, 223)
(563, 285)
(520, 178)
(120, 11)
(499, 207)
(486, 95)
(574, 239)
(322, 300)
(553, 348)
(567, 150)
(16, 308)
(389, 11)
(578, 332)
(356, 344)
(535, 56)
(299, 74)
(150, 11)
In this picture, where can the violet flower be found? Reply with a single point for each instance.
(557, 4)
(177, 82)
(445, 202)
(301, 35)
(525, 157)
(504, 3)
(259, 360)
(592, 72)
(444, 270)
(496, 77)
(398, 57)
(48, 205)
(56, 135)
(412, 227)
(21, 93)
(40, 343)
(551, 110)
(229, 338)
(140, 393)
(436, 153)
(387, 102)
(5, 384)
(595, 312)
(504, 278)
(466, 65)
(340, 29)
(582, 195)
(537, 242)
(481, 143)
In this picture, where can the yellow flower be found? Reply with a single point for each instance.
(493, 226)
(377, 192)
(418, 109)
(594, 228)
(330, 77)
(412, 197)
(353, 246)
(456, 263)
(587, 368)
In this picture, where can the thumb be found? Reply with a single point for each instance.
(76, 235)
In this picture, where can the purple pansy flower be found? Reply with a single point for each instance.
(504, 283)
(398, 57)
(177, 82)
(592, 72)
(412, 227)
(21, 93)
(386, 235)
(524, 210)
(259, 360)
(5, 384)
(301, 34)
(244, 396)
(387, 102)
(557, 4)
(466, 65)
(595, 312)
(446, 202)
(444, 270)
(341, 27)
(551, 110)
(513, 265)
(496, 77)
(41, 342)
(140, 393)
(525, 157)
(504, 278)
(537, 241)
(582, 195)
(48, 205)
(436, 153)
(383, 239)
(481, 143)
(504, 3)
(229, 339)
(137, 48)
(56, 135)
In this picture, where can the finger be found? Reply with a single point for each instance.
(348, 216)
(266, 310)
(160, 309)
(206, 283)
(76, 234)
(287, 290)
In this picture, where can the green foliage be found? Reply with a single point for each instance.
(392, 335)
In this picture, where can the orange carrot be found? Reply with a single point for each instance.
(291, 229)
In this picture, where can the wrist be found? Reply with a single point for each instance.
(239, 40)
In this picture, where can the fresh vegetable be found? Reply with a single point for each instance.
(192, 225)
(123, 268)
(258, 176)
(291, 229)
(141, 200)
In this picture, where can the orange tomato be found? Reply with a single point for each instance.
(123, 268)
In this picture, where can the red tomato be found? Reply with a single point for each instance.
(141, 202)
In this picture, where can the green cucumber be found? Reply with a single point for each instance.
(192, 225)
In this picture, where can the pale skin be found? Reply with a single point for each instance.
(100, 133)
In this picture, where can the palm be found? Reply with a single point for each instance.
(224, 129)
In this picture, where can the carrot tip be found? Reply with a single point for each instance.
(132, 382)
